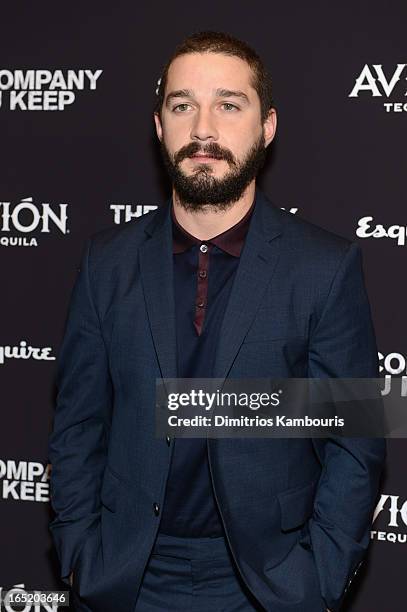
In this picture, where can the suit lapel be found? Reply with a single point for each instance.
(156, 269)
(256, 266)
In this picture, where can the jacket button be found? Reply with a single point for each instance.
(168, 440)
(156, 508)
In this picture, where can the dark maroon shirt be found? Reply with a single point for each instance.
(230, 241)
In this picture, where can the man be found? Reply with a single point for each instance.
(217, 283)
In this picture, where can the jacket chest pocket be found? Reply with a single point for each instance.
(272, 357)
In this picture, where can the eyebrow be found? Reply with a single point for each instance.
(220, 93)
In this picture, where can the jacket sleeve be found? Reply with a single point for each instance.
(343, 345)
(77, 446)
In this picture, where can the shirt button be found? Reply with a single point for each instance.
(202, 273)
(201, 304)
(156, 508)
(203, 248)
(168, 440)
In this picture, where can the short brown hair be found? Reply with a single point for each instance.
(220, 42)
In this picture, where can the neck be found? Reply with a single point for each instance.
(209, 221)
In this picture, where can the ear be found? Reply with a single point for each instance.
(158, 126)
(270, 126)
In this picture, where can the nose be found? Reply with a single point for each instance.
(204, 127)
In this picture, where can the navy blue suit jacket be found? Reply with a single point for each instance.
(297, 512)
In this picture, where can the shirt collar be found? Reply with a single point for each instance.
(231, 241)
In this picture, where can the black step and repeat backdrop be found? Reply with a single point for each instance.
(78, 154)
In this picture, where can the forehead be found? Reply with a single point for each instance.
(206, 72)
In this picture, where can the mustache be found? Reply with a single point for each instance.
(212, 149)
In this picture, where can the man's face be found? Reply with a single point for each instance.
(212, 140)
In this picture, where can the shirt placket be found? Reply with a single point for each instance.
(202, 286)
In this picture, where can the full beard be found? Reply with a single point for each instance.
(197, 191)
